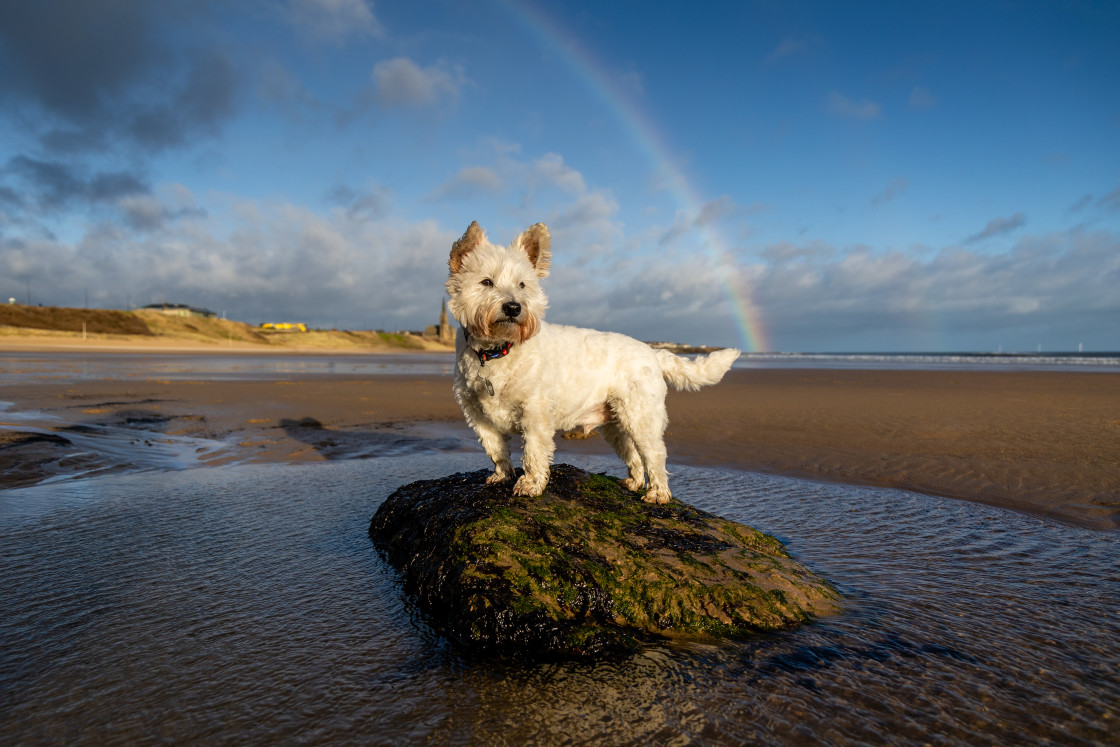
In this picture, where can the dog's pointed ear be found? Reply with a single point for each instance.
(537, 242)
(464, 246)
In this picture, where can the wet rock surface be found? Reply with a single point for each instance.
(587, 568)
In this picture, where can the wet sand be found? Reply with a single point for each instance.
(1041, 442)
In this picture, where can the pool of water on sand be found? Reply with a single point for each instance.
(246, 604)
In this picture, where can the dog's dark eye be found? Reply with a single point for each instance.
(488, 282)
(522, 285)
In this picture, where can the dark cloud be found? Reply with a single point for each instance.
(10, 197)
(146, 213)
(1081, 204)
(82, 76)
(895, 189)
(1111, 201)
(359, 204)
(998, 226)
(197, 107)
(714, 210)
(71, 56)
(54, 184)
(674, 233)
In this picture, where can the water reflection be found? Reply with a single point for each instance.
(246, 604)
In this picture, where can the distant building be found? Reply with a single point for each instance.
(443, 332)
(179, 309)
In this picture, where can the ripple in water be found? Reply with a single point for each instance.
(246, 604)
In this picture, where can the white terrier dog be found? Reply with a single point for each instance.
(515, 373)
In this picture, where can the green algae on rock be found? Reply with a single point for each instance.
(585, 568)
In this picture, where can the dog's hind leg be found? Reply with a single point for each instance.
(644, 419)
(623, 445)
(654, 456)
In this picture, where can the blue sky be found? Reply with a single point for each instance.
(770, 175)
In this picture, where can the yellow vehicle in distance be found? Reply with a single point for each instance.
(283, 327)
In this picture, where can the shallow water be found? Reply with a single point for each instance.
(22, 367)
(64, 367)
(1095, 362)
(246, 604)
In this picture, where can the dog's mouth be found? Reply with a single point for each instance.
(502, 326)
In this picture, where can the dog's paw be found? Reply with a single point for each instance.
(631, 484)
(657, 495)
(528, 487)
(497, 478)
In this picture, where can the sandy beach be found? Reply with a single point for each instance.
(1041, 442)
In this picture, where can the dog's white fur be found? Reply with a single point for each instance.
(556, 377)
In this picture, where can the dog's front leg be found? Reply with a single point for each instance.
(496, 445)
(539, 447)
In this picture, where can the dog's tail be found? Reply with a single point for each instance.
(688, 375)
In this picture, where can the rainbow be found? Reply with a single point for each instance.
(554, 37)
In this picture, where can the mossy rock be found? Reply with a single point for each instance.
(586, 568)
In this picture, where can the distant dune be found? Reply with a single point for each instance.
(60, 327)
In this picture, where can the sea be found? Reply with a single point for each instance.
(75, 366)
(245, 604)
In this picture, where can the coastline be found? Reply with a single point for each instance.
(1042, 442)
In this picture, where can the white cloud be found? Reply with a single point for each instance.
(632, 81)
(1051, 282)
(841, 105)
(785, 251)
(789, 46)
(255, 260)
(590, 209)
(480, 176)
(550, 170)
(921, 99)
(819, 297)
(401, 82)
(334, 20)
(469, 182)
(545, 185)
(258, 260)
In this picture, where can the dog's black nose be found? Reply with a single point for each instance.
(511, 309)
